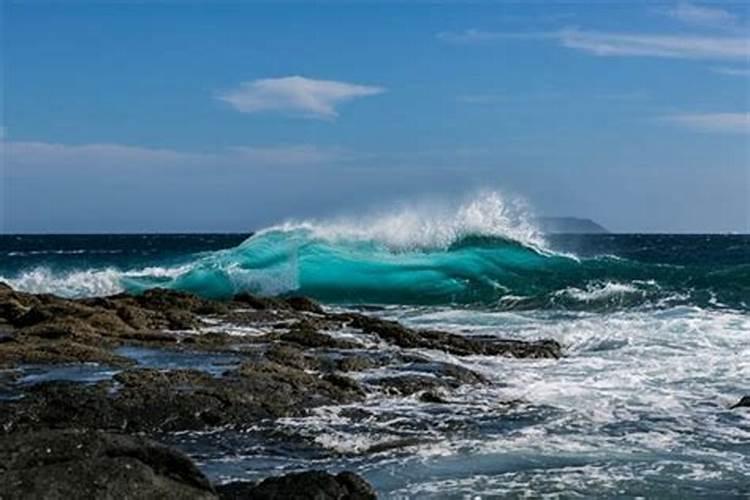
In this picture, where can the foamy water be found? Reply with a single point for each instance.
(638, 406)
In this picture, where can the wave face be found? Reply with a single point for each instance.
(482, 253)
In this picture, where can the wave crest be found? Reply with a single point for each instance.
(430, 227)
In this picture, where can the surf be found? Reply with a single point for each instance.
(484, 252)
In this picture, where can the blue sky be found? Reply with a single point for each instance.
(200, 116)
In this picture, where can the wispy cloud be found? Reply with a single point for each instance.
(31, 153)
(725, 70)
(611, 44)
(507, 97)
(21, 154)
(738, 123)
(702, 15)
(303, 154)
(295, 94)
(673, 46)
(470, 36)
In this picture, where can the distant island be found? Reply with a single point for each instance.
(553, 225)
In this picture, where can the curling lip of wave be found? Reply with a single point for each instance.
(429, 227)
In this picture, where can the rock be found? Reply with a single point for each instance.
(58, 328)
(45, 352)
(148, 400)
(304, 304)
(83, 465)
(260, 303)
(744, 402)
(292, 356)
(309, 485)
(405, 385)
(395, 444)
(459, 345)
(357, 363)
(436, 375)
(304, 334)
(432, 397)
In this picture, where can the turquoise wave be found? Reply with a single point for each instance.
(485, 270)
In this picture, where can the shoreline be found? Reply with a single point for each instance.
(295, 356)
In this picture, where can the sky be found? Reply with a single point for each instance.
(212, 117)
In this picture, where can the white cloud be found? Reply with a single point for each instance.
(713, 122)
(94, 155)
(102, 156)
(675, 46)
(470, 36)
(304, 154)
(701, 15)
(732, 71)
(295, 94)
(624, 44)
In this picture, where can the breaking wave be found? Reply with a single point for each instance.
(485, 252)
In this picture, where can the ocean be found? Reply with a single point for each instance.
(655, 330)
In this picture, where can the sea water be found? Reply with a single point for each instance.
(655, 329)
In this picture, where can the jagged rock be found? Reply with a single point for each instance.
(304, 304)
(743, 402)
(309, 485)
(459, 345)
(54, 464)
(148, 400)
(406, 385)
(432, 397)
(304, 334)
(45, 352)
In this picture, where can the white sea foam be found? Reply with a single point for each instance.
(599, 291)
(433, 226)
(640, 396)
(84, 283)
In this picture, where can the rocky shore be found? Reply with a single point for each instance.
(62, 437)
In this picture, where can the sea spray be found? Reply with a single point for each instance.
(484, 253)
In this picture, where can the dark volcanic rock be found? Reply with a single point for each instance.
(309, 485)
(84, 465)
(304, 304)
(743, 402)
(305, 334)
(432, 397)
(151, 400)
(406, 385)
(43, 352)
(436, 375)
(459, 345)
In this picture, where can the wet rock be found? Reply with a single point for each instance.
(46, 352)
(83, 465)
(357, 363)
(148, 400)
(290, 355)
(309, 485)
(259, 303)
(406, 385)
(432, 397)
(436, 375)
(58, 328)
(395, 444)
(160, 299)
(283, 390)
(744, 402)
(459, 345)
(304, 334)
(304, 304)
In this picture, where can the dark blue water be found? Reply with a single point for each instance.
(570, 272)
(655, 328)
